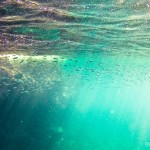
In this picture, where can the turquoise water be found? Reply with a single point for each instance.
(74, 75)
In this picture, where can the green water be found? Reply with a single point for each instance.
(74, 75)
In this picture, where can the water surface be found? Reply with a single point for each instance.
(74, 75)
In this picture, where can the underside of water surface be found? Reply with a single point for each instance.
(74, 75)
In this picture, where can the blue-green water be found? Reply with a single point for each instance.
(74, 75)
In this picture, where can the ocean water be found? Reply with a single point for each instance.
(74, 75)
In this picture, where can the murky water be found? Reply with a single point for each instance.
(74, 75)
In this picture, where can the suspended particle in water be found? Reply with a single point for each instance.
(15, 58)
(148, 5)
(21, 61)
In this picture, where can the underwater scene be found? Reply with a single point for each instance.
(75, 75)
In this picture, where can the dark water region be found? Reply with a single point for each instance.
(74, 75)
